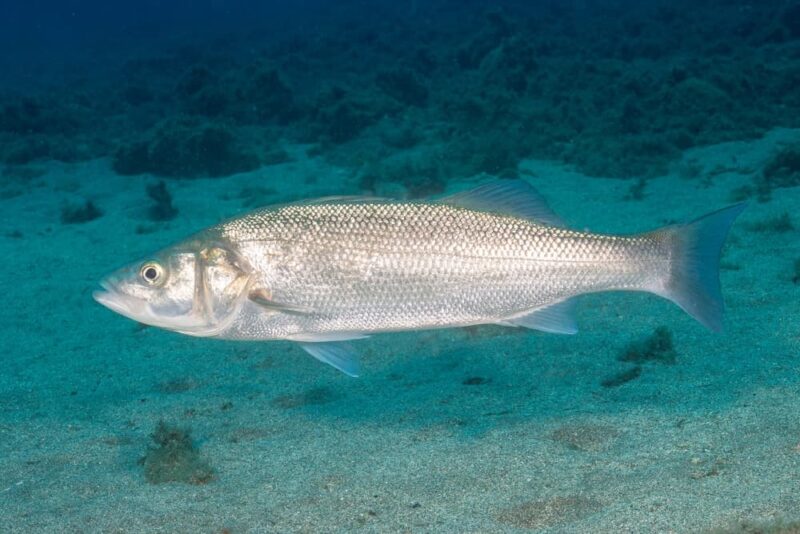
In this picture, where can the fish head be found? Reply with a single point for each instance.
(192, 288)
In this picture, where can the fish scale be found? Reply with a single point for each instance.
(383, 266)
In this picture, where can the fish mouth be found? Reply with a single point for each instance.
(119, 302)
(141, 311)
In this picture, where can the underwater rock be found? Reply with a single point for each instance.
(45, 128)
(522, 71)
(33, 129)
(489, 153)
(496, 28)
(630, 156)
(30, 116)
(132, 159)
(266, 96)
(339, 118)
(137, 94)
(791, 20)
(423, 174)
(210, 102)
(26, 149)
(401, 135)
(345, 121)
(22, 117)
(175, 458)
(695, 96)
(404, 86)
(509, 65)
(276, 156)
(194, 80)
(21, 173)
(185, 148)
(497, 158)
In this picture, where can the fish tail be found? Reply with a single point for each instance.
(692, 281)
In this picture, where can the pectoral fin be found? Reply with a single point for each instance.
(264, 299)
(338, 354)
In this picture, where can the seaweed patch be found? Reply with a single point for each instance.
(175, 458)
(657, 347)
(81, 213)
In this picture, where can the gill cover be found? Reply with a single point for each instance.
(222, 282)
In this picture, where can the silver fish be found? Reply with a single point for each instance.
(327, 271)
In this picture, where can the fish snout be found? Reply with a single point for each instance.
(116, 301)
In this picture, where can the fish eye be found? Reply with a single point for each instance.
(152, 273)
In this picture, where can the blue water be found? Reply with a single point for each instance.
(124, 128)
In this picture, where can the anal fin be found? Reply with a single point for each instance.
(558, 318)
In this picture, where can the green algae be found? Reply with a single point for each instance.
(657, 347)
(174, 458)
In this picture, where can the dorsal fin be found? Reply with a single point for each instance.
(508, 197)
(339, 199)
(335, 199)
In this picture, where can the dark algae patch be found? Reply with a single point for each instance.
(174, 458)
(476, 381)
(81, 213)
(637, 190)
(162, 208)
(185, 148)
(652, 86)
(783, 170)
(404, 86)
(779, 224)
(549, 513)
(177, 385)
(621, 378)
(658, 347)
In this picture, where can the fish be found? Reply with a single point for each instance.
(327, 271)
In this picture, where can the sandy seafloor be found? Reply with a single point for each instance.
(539, 444)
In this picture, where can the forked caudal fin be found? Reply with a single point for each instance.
(693, 281)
